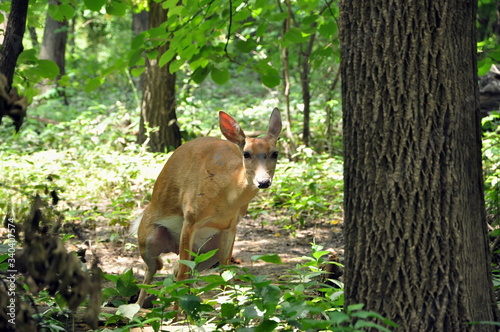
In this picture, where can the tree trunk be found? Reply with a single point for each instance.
(158, 98)
(139, 24)
(291, 148)
(11, 104)
(33, 36)
(55, 35)
(304, 71)
(415, 228)
(13, 41)
(330, 137)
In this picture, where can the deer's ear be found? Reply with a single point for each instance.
(275, 124)
(231, 129)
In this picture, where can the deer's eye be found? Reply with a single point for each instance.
(246, 155)
(274, 155)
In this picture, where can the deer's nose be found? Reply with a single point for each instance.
(263, 184)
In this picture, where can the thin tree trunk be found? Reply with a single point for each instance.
(140, 24)
(71, 40)
(415, 228)
(33, 36)
(329, 111)
(158, 98)
(286, 79)
(55, 36)
(304, 70)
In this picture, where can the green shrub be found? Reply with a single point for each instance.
(299, 301)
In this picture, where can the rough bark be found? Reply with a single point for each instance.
(158, 98)
(415, 229)
(11, 104)
(13, 42)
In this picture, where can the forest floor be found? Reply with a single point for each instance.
(252, 239)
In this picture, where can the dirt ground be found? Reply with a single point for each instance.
(252, 239)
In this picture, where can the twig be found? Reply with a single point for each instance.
(229, 26)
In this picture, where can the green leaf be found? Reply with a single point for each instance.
(28, 55)
(270, 258)
(126, 284)
(4, 265)
(261, 30)
(189, 264)
(338, 317)
(166, 57)
(93, 84)
(116, 8)
(138, 41)
(94, 5)
(63, 81)
(228, 310)
(354, 307)
(176, 65)
(310, 20)
(362, 324)
(60, 301)
(134, 57)
(484, 66)
(169, 4)
(260, 3)
(270, 80)
(228, 275)
(67, 11)
(136, 72)
(318, 254)
(241, 15)
(189, 302)
(204, 256)
(200, 74)
(307, 5)
(220, 75)
(152, 55)
(278, 17)
(47, 69)
(109, 292)
(314, 325)
(328, 29)
(250, 312)
(128, 310)
(266, 325)
(294, 35)
(246, 46)
(111, 277)
(61, 12)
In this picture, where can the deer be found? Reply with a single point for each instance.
(201, 194)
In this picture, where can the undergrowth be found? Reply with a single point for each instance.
(90, 161)
(303, 299)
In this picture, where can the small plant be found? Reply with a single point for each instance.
(236, 300)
